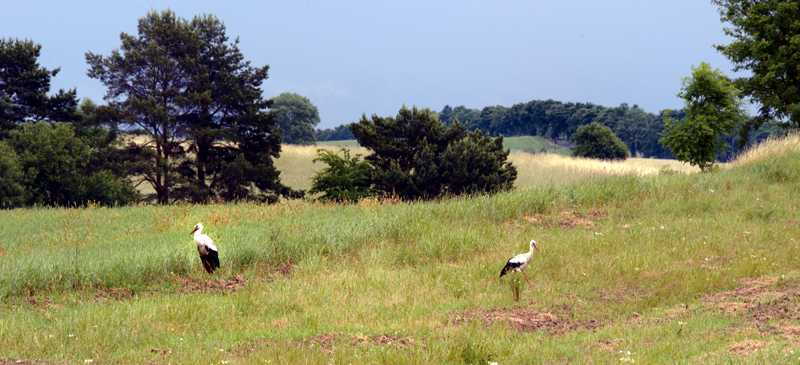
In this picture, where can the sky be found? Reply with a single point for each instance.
(373, 56)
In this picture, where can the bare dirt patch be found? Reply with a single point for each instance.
(746, 347)
(566, 219)
(383, 340)
(326, 342)
(609, 345)
(161, 352)
(286, 268)
(105, 294)
(621, 293)
(525, 320)
(773, 307)
(190, 285)
(42, 303)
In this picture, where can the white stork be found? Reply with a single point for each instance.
(519, 262)
(205, 247)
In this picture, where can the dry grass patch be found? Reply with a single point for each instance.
(191, 285)
(566, 219)
(106, 294)
(631, 166)
(746, 347)
(525, 320)
(609, 345)
(770, 148)
(771, 306)
(327, 342)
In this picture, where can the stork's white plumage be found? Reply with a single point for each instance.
(209, 255)
(519, 262)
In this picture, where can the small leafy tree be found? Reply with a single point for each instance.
(56, 168)
(713, 110)
(12, 193)
(345, 179)
(415, 156)
(598, 141)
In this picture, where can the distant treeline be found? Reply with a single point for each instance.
(556, 120)
(339, 133)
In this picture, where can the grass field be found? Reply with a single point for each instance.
(634, 267)
(534, 144)
(534, 170)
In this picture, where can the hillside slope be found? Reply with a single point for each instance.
(698, 268)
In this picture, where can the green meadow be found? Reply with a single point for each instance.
(643, 262)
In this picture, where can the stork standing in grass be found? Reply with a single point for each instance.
(519, 262)
(209, 255)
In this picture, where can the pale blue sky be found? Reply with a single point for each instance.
(372, 56)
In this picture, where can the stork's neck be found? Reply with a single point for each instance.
(198, 232)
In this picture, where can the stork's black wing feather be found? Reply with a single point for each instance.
(210, 260)
(509, 266)
(214, 259)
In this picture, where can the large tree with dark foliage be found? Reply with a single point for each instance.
(765, 43)
(598, 141)
(415, 156)
(296, 117)
(198, 102)
(713, 110)
(24, 87)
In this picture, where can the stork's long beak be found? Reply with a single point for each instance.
(193, 231)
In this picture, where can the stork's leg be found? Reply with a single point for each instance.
(525, 274)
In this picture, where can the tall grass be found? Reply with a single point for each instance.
(771, 148)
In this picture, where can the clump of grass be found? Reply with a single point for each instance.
(516, 287)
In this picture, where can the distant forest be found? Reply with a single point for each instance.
(551, 119)
(558, 121)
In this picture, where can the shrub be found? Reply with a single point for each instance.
(346, 179)
(598, 141)
(415, 156)
(11, 189)
(56, 168)
(477, 163)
